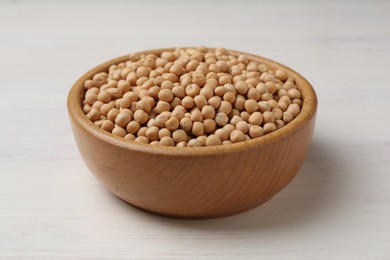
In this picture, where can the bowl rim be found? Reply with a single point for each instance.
(75, 112)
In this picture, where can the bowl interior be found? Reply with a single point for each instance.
(77, 92)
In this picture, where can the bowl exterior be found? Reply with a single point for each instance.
(199, 186)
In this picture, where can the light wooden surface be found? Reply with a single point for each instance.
(338, 207)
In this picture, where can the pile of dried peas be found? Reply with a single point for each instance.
(191, 97)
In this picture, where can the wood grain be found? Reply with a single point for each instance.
(337, 207)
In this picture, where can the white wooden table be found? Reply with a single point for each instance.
(338, 207)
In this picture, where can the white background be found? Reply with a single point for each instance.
(338, 207)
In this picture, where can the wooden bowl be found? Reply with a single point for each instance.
(195, 182)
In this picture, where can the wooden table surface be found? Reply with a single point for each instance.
(338, 207)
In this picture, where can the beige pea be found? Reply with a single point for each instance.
(175, 102)
(239, 103)
(209, 126)
(237, 136)
(208, 112)
(166, 84)
(285, 99)
(142, 140)
(281, 74)
(125, 102)
(142, 131)
(241, 87)
(278, 113)
(213, 140)
(167, 141)
(256, 118)
(269, 127)
(297, 101)
(214, 102)
(199, 79)
(287, 117)
(292, 93)
(152, 133)
(279, 123)
(211, 83)
(94, 114)
(191, 65)
(176, 69)
(207, 92)
(161, 119)
(294, 109)
(268, 117)
(253, 93)
(273, 103)
(226, 142)
(192, 90)
(196, 115)
(225, 79)
(225, 107)
(282, 105)
(164, 132)
(186, 124)
(266, 97)
(172, 123)
(181, 144)
(112, 114)
(165, 95)
(220, 91)
(91, 98)
(223, 134)
(262, 88)
(153, 91)
(234, 112)
(161, 106)
(104, 96)
(264, 106)
(188, 102)
(115, 93)
(179, 135)
(245, 116)
(202, 140)
(200, 101)
(256, 131)
(97, 105)
(133, 127)
(194, 143)
(178, 113)
(242, 126)
(235, 119)
(197, 128)
(87, 108)
(130, 137)
(251, 105)
(179, 91)
(132, 96)
(229, 97)
(119, 131)
(88, 84)
(99, 79)
(155, 143)
(124, 86)
(141, 116)
(132, 78)
(221, 119)
(122, 119)
(185, 81)
(229, 127)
